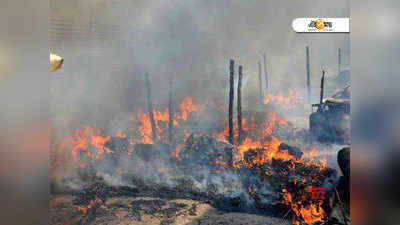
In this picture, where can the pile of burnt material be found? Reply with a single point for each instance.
(206, 151)
(208, 170)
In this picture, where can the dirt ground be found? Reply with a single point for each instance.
(150, 211)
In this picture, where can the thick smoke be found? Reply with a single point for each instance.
(109, 45)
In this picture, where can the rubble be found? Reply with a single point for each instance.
(205, 150)
(292, 150)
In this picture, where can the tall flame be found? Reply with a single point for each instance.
(88, 141)
(187, 106)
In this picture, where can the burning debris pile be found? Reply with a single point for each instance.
(265, 176)
(166, 155)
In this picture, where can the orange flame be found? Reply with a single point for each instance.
(286, 103)
(85, 137)
(187, 106)
(308, 213)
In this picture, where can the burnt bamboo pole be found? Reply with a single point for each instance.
(322, 87)
(239, 105)
(150, 107)
(308, 74)
(321, 97)
(265, 72)
(231, 98)
(171, 114)
(260, 83)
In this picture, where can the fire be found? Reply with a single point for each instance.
(304, 212)
(259, 135)
(187, 106)
(222, 136)
(270, 151)
(176, 151)
(256, 129)
(145, 128)
(83, 209)
(83, 138)
(247, 145)
(273, 123)
(324, 163)
(92, 205)
(120, 134)
(289, 102)
(161, 118)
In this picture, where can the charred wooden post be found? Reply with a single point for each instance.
(339, 59)
(265, 72)
(231, 98)
(171, 114)
(321, 98)
(308, 74)
(260, 83)
(239, 105)
(150, 107)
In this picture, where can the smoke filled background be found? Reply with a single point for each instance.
(375, 112)
(375, 31)
(109, 45)
(107, 48)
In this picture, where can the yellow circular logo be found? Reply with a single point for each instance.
(320, 24)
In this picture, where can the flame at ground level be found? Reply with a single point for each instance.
(257, 136)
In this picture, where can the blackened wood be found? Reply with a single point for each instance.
(239, 105)
(171, 114)
(260, 83)
(308, 74)
(321, 97)
(265, 72)
(322, 87)
(150, 107)
(231, 98)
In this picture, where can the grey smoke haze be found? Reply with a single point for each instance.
(192, 41)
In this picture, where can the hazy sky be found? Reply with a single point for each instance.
(109, 45)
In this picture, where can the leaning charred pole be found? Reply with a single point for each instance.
(171, 114)
(265, 72)
(260, 83)
(321, 98)
(231, 98)
(308, 74)
(239, 105)
(150, 107)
